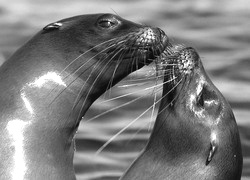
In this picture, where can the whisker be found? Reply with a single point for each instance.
(75, 71)
(122, 105)
(114, 39)
(77, 99)
(142, 79)
(127, 126)
(168, 93)
(121, 131)
(103, 69)
(113, 75)
(135, 92)
(133, 85)
(112, 109)
(154, 104)
(153, 111)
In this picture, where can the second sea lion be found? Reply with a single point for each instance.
(195, 136)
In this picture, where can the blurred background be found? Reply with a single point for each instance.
(219, 30)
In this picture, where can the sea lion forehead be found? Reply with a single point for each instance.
(81, 20)
(96, 19)
(102, 24)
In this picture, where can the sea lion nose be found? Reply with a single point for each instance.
(161, 38)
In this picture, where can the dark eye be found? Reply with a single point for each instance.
(107, 23)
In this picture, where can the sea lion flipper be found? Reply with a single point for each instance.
(213, 147)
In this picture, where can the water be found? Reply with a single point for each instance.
(219, 30)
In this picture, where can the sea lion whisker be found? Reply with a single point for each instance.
(143, 79)
(77, 99)
(128, 94)
(134, 84)
(164, 72)
(69, 84)
(122, 105)
(78, 68)
(150, 75)
(121, 131)
(90, 89)
(135, 60)
(117, 46)
(153, 109)
(155, 100)
(168, 93)
(72, 74)
(112, 109)
(102, 51)
(75, 71)
(119, 61)
(100, 44)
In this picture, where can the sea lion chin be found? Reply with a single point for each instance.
(195, 134)
(50, 82)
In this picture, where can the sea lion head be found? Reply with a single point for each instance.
(108, 39)
(199, 135)
(101, 49)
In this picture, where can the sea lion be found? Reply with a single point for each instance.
(47, 86)
(195, 135)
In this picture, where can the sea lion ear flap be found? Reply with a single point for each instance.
(212, 150)
(52, 26)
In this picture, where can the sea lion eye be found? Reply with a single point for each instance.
(107, 23)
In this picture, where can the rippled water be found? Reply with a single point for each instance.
(219, 30)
